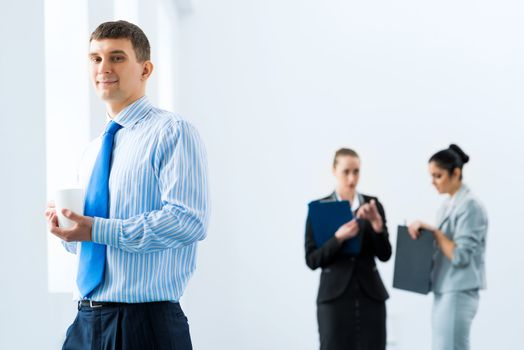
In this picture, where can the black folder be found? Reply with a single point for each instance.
(413, 261)
(326, 218)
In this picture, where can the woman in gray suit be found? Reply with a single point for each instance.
(458, 264)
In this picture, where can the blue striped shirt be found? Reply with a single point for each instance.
(158, 206)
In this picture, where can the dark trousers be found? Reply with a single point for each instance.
(353, 321)
(151, 326)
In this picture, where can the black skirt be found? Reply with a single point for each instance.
(353, 321)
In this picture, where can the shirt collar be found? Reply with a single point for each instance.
(133, 113)
(452, 201)
(356, 201)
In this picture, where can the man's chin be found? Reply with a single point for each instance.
(107, 96)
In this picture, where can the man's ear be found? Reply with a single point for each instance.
(147, 69)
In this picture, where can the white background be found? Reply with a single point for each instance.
(275, 87)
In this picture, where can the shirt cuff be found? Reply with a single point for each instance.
(106, 231)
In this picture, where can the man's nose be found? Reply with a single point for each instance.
(104, 67)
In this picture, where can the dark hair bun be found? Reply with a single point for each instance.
(463, 156)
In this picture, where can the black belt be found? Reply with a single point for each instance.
(90, 304)
(96, 304)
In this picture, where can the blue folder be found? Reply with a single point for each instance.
(326, 218)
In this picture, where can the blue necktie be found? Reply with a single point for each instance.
(93, 255)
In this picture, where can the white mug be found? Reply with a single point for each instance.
(69, 198)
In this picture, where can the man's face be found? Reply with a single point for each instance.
(116, 74)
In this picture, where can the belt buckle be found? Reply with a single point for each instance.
(92, 306)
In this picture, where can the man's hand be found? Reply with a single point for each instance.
(50, 210)
(81, 231)
(369, 211)
(347, 231)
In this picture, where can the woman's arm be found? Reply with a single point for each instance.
(470, 231)
(446, 245)
(375, 214)
(324, 255)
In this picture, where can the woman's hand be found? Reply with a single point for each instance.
(347, 231)
(415, 227)
(369, 211)
(443, 242)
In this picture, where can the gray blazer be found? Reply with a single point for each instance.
(466, 223)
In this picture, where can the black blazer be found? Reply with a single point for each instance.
(339, 268)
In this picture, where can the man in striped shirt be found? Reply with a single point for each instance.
(158, 207)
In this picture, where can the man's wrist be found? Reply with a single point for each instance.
(106, 231)
(90, 228)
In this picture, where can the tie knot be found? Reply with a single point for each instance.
(113, 127)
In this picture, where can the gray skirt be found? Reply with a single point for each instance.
(452, 316)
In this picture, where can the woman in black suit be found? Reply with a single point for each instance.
(351, 308)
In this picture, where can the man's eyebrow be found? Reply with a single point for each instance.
(120, 52)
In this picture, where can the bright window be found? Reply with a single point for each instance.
(67, 114)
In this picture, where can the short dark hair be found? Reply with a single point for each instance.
(344, 152)
(125, 30)
(450, 159)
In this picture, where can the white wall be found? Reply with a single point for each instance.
(276, 87)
